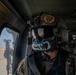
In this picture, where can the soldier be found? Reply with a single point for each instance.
(47, 57)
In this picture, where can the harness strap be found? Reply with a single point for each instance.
(30, 57)
(32, 65)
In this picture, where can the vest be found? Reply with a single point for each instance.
(63, 65)
(58, 66)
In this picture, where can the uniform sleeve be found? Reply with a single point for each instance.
(22, 68)
(70, 65)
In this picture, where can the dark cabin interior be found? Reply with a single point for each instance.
(18, 12)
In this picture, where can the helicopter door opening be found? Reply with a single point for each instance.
(8, 42)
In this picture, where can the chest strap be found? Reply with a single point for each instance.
(32, 65)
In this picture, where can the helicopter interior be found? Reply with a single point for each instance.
(15, 14)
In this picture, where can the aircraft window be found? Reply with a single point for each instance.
(8, 40)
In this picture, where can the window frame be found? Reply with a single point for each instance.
(8, 26)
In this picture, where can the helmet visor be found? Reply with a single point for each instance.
(38, 33)
(42, 32)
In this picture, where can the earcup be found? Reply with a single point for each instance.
(63, 31)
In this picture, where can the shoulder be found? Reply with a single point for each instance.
(68, 56)
(71, 58)
(64, 53)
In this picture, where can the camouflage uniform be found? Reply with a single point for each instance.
(25, 68)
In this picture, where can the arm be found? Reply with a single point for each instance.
(70, 65)
(22, 68)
